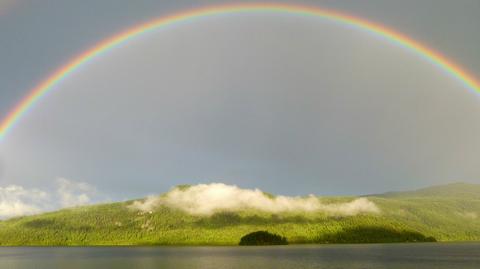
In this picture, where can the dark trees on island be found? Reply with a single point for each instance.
(262, 238)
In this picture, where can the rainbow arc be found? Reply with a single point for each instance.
(47, 85)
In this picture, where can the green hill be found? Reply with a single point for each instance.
(443, 213)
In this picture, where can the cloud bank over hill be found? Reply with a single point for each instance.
(207, 199)
(201, 199)
(19, 201)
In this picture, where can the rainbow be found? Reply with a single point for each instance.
(429, 54)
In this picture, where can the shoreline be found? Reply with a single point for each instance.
(236, 246)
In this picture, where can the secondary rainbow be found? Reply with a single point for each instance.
(43, 88)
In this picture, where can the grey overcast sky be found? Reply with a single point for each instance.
(288, 104)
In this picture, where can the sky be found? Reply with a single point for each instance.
(291, 105)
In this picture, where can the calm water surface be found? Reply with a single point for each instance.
(392, 256)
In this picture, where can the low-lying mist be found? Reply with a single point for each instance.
(207, 199)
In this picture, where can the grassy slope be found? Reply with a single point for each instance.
(447, 213)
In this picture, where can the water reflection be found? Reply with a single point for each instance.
(393, 256)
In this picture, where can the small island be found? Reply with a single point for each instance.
(262, 238)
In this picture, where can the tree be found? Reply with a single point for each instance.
(262, 238)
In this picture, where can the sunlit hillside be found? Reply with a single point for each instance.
(444, 213)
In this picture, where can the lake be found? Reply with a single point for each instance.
(418, 256)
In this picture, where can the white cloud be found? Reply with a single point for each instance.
(17, 201)
(206, 199)
(147, 204)
(73, 193)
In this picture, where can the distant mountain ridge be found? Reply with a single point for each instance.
(458, 190)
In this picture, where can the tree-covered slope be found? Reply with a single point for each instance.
(445, 213)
